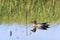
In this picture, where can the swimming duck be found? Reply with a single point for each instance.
(36, 25)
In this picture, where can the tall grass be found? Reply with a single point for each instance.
(21, 10)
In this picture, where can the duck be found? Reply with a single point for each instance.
(42, 26)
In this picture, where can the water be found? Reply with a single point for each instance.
(19, 32)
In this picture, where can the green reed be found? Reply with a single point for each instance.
(41, 10)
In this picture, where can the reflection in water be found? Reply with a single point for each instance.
(10, 33)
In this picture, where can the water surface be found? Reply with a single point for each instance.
(19, 32)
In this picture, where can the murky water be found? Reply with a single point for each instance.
(19, 32)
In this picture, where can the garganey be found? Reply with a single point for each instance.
(42, 26)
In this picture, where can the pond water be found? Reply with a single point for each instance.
(19, 32)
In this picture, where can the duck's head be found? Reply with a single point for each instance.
(34, 21)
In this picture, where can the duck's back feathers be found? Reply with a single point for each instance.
(43, 26)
